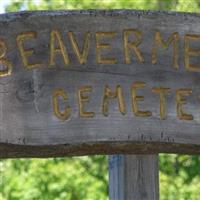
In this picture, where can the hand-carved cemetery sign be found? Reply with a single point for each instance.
(86, 82)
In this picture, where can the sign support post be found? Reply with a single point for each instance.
(133, 177)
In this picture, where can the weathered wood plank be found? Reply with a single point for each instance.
(71, 83)
(133, 177)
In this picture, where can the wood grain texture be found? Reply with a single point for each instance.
(28, 125)
(133, 177)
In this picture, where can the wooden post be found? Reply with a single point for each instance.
(133, 177)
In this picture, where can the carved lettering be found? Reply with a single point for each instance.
(26, 53)
(60, 93)
(4, 62)
(191, 52)
(56, 37)
(136, 98)
(109, 94)
(81, 55)
(158, 41)
(100, 46)
(180, 101)
(82, 99)
(132, 45)
(162, 92)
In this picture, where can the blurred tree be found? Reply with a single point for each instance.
(54, 179)
(86, 177)
(176, 5)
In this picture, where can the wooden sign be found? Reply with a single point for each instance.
(99, 82)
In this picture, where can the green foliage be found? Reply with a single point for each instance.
(54, 179)
(175, 5)
(86, 177)
(179, 177)
(188, 167)
(174, 188)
